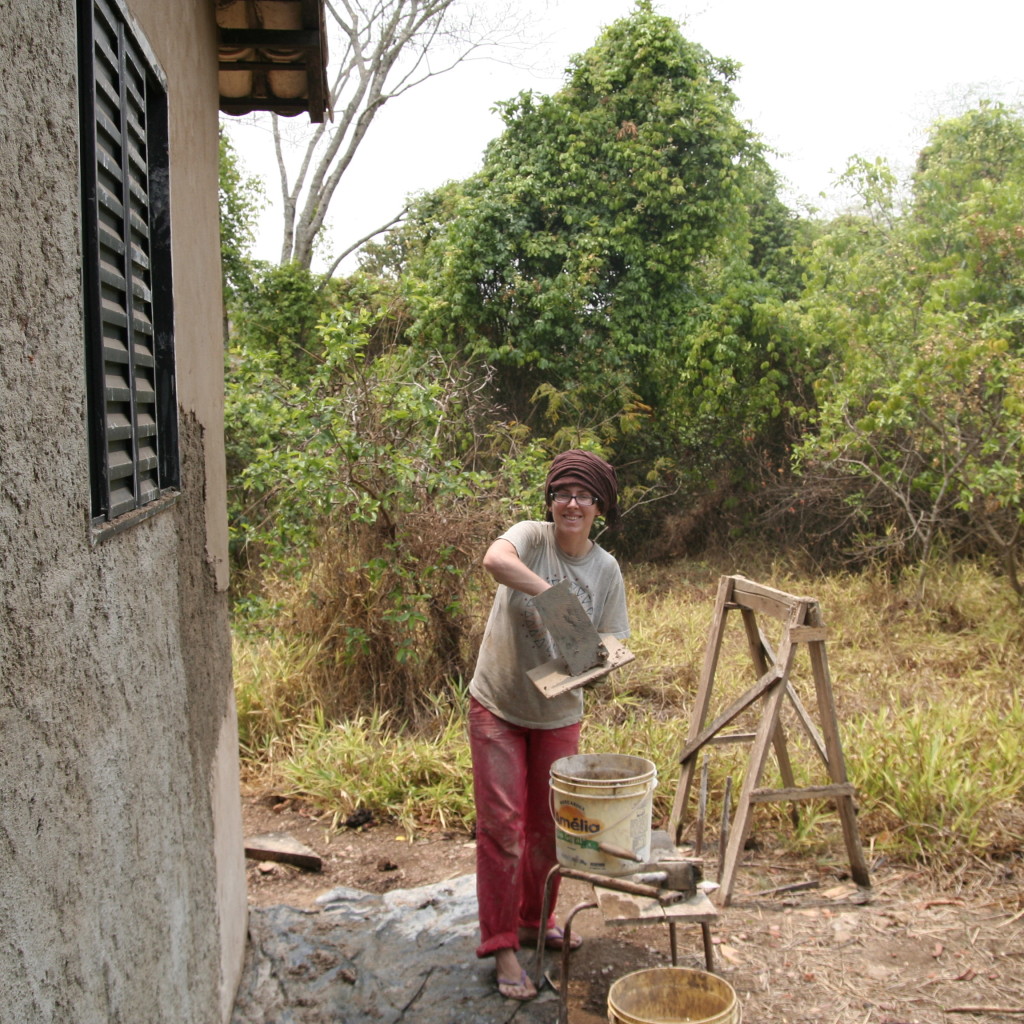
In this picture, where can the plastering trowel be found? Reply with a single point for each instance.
(584, 654)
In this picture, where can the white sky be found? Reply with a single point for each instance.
(820, 81)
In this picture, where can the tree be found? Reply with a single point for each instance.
(611, 258)
(589, 213)
(385, 48)
(920, 418)
(241, 199)
(571, 252)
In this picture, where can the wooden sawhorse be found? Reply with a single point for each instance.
(801, 623)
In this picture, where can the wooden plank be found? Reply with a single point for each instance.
(700, 708)
(697, 908)
(735, 709)
(760, 598)
(830, 792)
(574, 635)
(553, 678)
(624, 909)
(283, 848)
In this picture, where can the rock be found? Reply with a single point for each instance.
(405, 956)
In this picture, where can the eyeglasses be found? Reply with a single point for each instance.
(564, 497)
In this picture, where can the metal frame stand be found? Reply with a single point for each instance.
(701, 912)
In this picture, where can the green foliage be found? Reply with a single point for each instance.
(941, 771)
(241, 197)
(281, 397)
(370, 763)
(566, 259)
(918, 438)
(274, 320)
(368, 436)
(361, 497)
(618, 261)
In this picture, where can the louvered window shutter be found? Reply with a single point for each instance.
(127, 270)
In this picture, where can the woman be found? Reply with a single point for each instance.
(515, 732)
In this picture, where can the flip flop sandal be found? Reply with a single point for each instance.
(522, 983)
(554, 939)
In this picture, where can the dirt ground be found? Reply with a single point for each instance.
(919, 948)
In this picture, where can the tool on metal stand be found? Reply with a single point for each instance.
(679, 876)
(674, 882)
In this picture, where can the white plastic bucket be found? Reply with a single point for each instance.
(672, 995)
(602, 800)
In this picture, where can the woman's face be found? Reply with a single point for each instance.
(572, 519)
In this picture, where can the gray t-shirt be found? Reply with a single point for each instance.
(515, 640)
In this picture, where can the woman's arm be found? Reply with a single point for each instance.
(502, 561)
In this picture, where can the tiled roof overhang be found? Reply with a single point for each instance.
(273, 56)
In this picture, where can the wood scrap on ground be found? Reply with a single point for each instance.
(283, 848)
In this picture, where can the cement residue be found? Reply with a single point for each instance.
(405, 956)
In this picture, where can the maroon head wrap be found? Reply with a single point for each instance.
(586, 469)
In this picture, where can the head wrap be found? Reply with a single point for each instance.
(588, 470)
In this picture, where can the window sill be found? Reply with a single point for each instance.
(102, 529)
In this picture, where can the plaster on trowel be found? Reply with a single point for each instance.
(584, 654)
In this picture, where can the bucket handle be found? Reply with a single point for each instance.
(554, 816)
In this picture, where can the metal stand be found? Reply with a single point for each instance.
(620, 905)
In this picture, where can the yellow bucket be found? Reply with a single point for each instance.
(672, 995)
(602, 800)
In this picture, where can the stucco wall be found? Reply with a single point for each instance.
(122, 891)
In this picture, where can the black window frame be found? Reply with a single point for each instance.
(126, 270)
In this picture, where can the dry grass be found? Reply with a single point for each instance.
(927, 695)
(928, 701)
(386, 619)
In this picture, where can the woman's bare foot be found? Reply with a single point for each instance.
(513, 981)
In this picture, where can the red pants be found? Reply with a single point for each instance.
(515, 833)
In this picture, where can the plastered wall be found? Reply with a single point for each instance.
(122, 888)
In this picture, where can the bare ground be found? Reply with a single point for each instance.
(922, 947)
